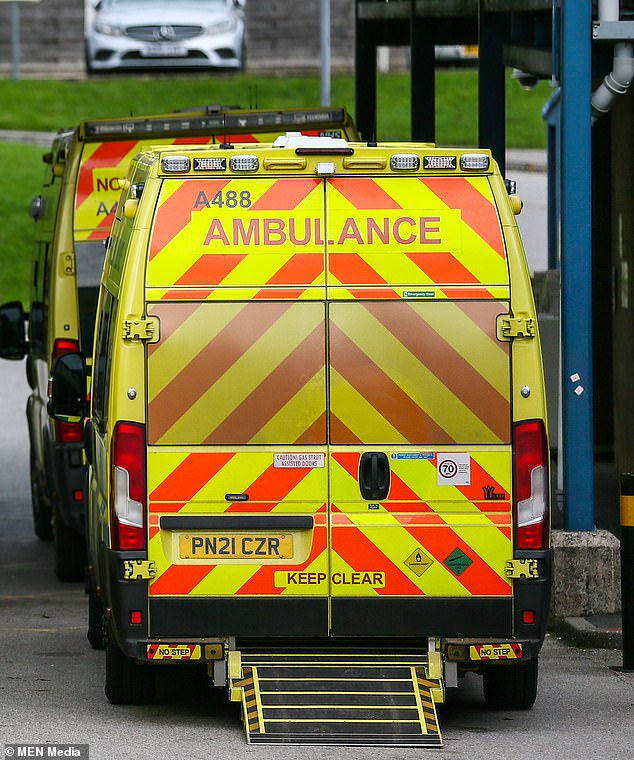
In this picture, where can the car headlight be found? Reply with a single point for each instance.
(222, 27)
(111, 30)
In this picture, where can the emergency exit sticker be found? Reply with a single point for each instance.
(454, 469)
(299, 460)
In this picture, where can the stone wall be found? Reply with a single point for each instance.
(51, 34)
(287, 34)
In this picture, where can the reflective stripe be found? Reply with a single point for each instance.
(238, 374)
(420, 373)
(384, 232)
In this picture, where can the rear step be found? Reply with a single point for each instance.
(337, 698)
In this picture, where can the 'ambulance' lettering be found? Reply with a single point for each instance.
(274, 231)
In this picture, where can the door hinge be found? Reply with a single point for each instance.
(67, 262)
(141, 329)
(521, 569)
(138, 570)
(509, 327)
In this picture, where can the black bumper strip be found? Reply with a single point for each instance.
(236, 522)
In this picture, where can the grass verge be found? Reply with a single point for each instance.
(50, 105)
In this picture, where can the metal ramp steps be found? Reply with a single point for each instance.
(338, 699)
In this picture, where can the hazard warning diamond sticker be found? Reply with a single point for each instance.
(458, 561)
(418, 562)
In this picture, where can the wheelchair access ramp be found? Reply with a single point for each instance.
(337, 698)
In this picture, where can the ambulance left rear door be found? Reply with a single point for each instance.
(237, 458)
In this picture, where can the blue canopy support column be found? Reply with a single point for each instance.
(576, 264)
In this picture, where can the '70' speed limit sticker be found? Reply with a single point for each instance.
(454, 469)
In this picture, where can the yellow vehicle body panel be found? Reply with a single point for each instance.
(305, 323)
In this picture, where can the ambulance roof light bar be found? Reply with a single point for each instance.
(213, 121)
(474, 162)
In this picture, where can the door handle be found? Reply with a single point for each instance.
(374, 475)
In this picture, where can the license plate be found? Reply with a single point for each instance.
(236, 546)
(163, 51)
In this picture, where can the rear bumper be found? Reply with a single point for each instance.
(195, 619)
(66, 475)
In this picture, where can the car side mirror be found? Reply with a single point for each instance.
(68, 388)
(12, 331)
(36, 209)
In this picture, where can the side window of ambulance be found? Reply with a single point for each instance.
(89, 258)
(101, 363)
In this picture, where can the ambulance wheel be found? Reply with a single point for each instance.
(511, 686)
(95, 634)
(127, 682)
(69, 552)
(41, 511)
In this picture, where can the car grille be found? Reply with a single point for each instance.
(163, 32)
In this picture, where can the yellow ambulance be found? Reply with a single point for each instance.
(317, 436)
(73, 214)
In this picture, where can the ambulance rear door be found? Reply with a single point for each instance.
(237, 419)
(419, 408)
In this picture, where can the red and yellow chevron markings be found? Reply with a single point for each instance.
(447, 524)
(414, 232)
(238, 373)
(411, 372)
(98, 187)
(275, 238)
(197, 483)
(261, 233)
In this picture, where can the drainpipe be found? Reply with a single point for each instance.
(619, 79)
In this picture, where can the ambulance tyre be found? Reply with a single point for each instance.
(69, 552)
(127, 682)
(512, 686)
(41, 511)
(95, 634)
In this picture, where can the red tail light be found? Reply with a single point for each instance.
(66, 432)
(64, 346)
(532, 509)
(127, 487)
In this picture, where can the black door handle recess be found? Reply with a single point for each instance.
(374, 475)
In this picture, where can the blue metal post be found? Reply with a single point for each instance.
(576, 263)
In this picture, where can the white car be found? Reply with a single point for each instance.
(133, 34)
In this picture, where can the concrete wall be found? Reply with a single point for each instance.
(51, 33)
(287, 34)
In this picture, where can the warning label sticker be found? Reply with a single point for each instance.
(173, 651)
(299, 460)
(419, 562)
(454, 469)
